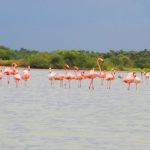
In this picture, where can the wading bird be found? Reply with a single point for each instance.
(110, 77)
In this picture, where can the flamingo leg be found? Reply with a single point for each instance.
(109, 84)
(91, 84)
(69, 83)
(136, 86)
(65, 84)
(1, 82)
(8, 79)
(80, 83)
(146, 81)
(51, 83)
(61, 83)
(17, 82)
(102, 81)
(25, 82)
(129, 86)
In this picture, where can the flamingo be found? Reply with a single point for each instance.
(79, 76)
(75, 70)
(142, 73)
(60, 77)
(51, 76)
(91, 75)
(137, 80)
(1, 74)
(17, 76)
(9, 71)
(68, 75)
(14, 71)
(102, 73)
(110, 77)
(26, 74)
(129, 79)
(147, 76)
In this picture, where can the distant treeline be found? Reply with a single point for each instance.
(120, 60)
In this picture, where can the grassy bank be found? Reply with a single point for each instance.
(119, 60)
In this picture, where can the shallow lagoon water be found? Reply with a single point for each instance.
(38, 117)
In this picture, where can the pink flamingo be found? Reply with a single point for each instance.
(142, 73)
(1, 73)
(60, 77)
(147, 76)
(91, 75)
(68, 75)
(26, 74)
(79, 76)
(8, 71)
(102, 73)
(110, 77)
(137, 80)
(17, 76)
(129, 79)
(75, 70)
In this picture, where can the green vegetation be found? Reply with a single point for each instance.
(120, 60)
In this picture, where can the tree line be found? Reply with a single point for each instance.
(84, 59)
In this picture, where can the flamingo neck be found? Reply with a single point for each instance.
(98, 63)
(75, 71)
(66, 70)
(66, 67)
(112, 73)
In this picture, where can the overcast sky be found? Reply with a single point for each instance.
(98, 25)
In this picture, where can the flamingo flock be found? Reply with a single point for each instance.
(13, 71)
(131, 77)
(78, 75)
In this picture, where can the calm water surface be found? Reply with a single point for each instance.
(38, 117)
